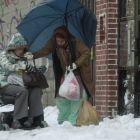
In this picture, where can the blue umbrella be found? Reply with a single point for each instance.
(38, 25)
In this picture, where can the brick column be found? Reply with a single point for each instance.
(106, 57)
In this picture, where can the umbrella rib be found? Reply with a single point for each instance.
(60, 16)
(67, 6)
(48, 25)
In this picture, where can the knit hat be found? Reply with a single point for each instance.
(17, 41)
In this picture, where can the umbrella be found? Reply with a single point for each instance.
(38, 25)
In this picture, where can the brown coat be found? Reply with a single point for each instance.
(82, 61)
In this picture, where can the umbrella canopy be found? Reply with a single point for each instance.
(38, 25)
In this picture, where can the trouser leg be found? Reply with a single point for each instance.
(21, 100)
(35, 104)
(63, 106)
(75, 106)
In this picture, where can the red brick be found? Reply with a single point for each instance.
(106, 58)
(113, 41)
(112, 20)
(112, 1)
(114, 5)
(112, 56)
(106, 98)
(113, 10)
(112, 30)
(112, 15)
(110, 25)
(110, 46)
(112, 36)
(112, 88)
(111, 61)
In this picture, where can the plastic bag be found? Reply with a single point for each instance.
(70, 88)
(87, 114)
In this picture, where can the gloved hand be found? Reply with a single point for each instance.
(74, 67)
(28, 55)
(42, 69)
(30, 68)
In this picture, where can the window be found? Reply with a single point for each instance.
(126, 50)
(126, 8)
(126, 33)
(88, 3)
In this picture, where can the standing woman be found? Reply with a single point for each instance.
(66, 51)
(27, 100)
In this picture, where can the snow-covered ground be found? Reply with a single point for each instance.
(119, 128)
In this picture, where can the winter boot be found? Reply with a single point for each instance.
(28, 123)
(4, 127)
(6, 118)
(16, 124)
(137, 106)
(39, 121)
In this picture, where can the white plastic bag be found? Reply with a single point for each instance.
(70, 88)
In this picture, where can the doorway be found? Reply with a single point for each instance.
(126, 57)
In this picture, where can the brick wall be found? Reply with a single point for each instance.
(106, 57)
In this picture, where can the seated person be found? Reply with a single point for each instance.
(27, 100)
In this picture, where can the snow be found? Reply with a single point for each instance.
(7, 108)
(120, 128)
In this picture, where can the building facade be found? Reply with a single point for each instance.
(106, 57)
(117, 53)
(116, 50)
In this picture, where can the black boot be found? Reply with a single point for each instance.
(139, 105)
(136, 106)
(16, 124)
(28, 124)
(6, 118)
(39, 121)
(4, 127)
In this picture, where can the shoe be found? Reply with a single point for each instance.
(6, 118)
(16, 124)
(4, 127)
(43, 124)
(28, 123)
(39, 122)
